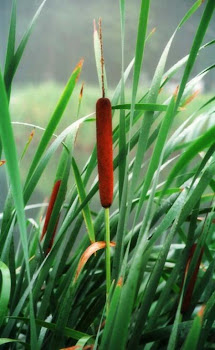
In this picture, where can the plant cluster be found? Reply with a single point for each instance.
(142, 275)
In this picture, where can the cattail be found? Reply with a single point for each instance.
(53, 236)
(104, 140)
(50, 208)
(192, 282)
(104, 150)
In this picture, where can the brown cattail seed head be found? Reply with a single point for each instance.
(104, 150)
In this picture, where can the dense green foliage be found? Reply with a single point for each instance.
(55, 268)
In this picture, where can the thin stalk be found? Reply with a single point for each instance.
(107, 239)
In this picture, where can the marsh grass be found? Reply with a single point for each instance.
(163, 205)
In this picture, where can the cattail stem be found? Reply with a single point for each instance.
(102, 57)
(107, 239)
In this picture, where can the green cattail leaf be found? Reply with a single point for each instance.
(191, 341)
(153, 282)
(152, 107)
(5, 291)
(198, 145)
(122, 124)
(83, 341)
(13, 62)
(126, 193)
(158, 152)
(8, 340)
(11, 38)
(63, 175)
(68, 332)
(200, 33)
(141, 149)
(82, 196)
(190, 12)
(6, 134)
(111, 314)
(55, 119)
(174, 333)
(120, 326)
(42, 163)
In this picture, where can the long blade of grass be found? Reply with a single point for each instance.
(205, 20)
(198, 145)
(11, 38)
(152, 107)
(194, 333)
(55, 119)
(5, 291)
(190, 12)
(139, 52)
(152, 285)
(122, 127)
(12, 65)
(9, 146)
(82, 196)
(68, 332)
(153, 165)
(72, 129)
(120, 327)
(8, 340)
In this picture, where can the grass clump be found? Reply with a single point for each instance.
(159, 235)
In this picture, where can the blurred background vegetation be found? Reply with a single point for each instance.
(64, 30)
(63, 35)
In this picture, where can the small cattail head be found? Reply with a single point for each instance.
(52, 201)
(188, 294)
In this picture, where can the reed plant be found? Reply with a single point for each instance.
(141, 276)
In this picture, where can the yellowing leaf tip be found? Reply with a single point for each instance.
(81, 91)
(92, 249)
(201, 312)
(175, 94)
(120, 282)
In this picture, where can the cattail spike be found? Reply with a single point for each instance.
(192, 282)
(52, 201)
(53, 236)
(104, 150)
